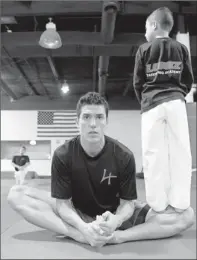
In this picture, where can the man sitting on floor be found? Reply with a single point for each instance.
(93, 189)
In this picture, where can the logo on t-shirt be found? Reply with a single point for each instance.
(107, 177)
(168, 67)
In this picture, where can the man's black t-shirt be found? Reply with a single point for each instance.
(95, 184)
(162, 72)
(20, 160)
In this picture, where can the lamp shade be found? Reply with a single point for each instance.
(50, 38)
(32, 142)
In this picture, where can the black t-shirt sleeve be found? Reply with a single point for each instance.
(187, 74)
(138, 75)
(60, 175)
(27, 159)
(128, 180)
(13, 159)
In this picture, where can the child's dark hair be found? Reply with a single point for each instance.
(92, 98)
(164, 17)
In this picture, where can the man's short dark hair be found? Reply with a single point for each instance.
(92, 98)
(24, 147)
(164, 17)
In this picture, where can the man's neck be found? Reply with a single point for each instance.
(92, 149)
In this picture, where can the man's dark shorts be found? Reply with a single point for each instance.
(138, 217)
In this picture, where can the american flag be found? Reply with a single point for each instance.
(57, 124)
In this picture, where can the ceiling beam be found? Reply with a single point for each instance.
(25, 44)
(85, 51)
(36, 70)
(29, 84)
(70, 38)
(15, 8)
(7, 90)
(70, 51)
(146, 7)
(9, 62)
(55, 73)
(88, 81)
(50, 8)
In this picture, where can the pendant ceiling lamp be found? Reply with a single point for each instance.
(50, 38)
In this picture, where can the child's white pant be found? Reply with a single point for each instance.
(166, 152)
(20, 176)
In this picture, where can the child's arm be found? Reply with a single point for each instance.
(187, 74)
(139, 75)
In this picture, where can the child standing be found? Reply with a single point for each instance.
(162, 78)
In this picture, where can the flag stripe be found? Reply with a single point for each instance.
(62, 119)
(55, 131)
(55, 127)
(56, 135)
(60, 124)
(65, 117)
(65, 113)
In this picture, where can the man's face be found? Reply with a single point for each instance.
(22, 150)
(92, 122)
(150, 31)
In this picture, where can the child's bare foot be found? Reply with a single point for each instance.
(179, 210)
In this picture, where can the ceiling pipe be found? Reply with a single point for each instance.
(108, 21)
(55, 73)
(7, 90)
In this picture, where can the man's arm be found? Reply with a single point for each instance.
(61, 188)
(69, 214)
(138, 75)
(128, 191)
(124, 211)
(128, 194)
(110, 222)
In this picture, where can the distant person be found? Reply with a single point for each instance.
(20, 163)
(162, 78)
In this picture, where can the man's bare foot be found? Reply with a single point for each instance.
(61, 236)
(116, 239)
(79, 238)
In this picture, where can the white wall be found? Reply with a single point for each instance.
(125, 126)
(18, 125)
(21, 125)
